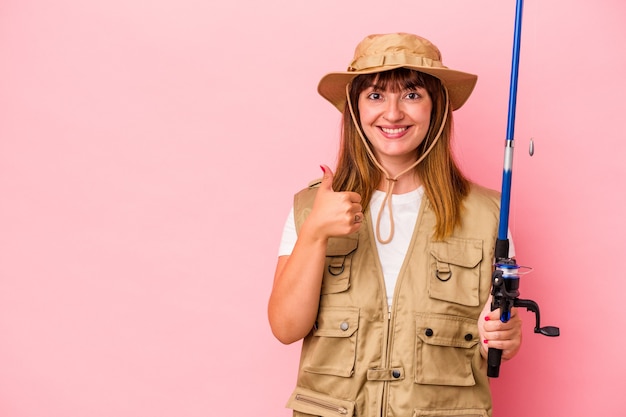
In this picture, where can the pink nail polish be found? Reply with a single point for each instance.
(323, 169)
(486, 318)
(485, 341)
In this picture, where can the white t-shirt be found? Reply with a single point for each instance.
(391, 255)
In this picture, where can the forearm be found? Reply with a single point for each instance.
(294, 300)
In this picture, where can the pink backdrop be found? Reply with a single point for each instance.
(149, 151)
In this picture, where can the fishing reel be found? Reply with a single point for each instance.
(505, 293)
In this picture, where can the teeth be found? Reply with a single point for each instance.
(393, 131)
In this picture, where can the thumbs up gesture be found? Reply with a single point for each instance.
(334, 213)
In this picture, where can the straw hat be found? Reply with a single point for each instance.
(377, 53)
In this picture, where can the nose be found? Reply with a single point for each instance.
(393, 110)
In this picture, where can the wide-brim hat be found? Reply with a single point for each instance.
(377, 53)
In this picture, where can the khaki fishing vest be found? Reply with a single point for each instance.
(422, 357)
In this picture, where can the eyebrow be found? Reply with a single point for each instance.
(396, 87)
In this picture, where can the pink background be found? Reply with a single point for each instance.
(149, 151)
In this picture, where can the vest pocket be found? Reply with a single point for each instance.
(455, 270)
(331, 348)
(339, 253)
(306, 402)
(443, 349)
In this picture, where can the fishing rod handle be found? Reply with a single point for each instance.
(504, 291)
(494, 358)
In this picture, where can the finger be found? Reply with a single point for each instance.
(493, 326)
(493, 315)
(498, 344)
(357, 209)
(327, 180)
(503, 342)
(503, 333)
(354, 198)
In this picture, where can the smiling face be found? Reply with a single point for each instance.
(395, 117)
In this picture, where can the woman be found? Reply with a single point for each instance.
(385, 267)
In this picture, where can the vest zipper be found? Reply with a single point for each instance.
(386, 360)
(322, 404)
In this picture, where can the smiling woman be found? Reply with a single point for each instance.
(347, 290)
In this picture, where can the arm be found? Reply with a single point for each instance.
(294, 300)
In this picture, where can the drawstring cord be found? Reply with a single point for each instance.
(392, 181)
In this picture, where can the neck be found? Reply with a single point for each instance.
(404, 184)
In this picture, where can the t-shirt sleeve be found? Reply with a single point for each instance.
(288, 240)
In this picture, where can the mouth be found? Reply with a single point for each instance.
(394, 131)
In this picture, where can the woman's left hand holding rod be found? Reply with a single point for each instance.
(496, 334)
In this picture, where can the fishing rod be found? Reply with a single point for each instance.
(506, 275)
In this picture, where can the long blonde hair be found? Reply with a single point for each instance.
(444, 184)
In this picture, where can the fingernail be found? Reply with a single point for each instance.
(485, 341)
(323, 169)
(486, 318)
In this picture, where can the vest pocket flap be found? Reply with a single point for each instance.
(470, 412)
(445, 330)
(331, 348)
(314, 403)
(462, 252)
(341, 246)
(339, 253)
(337, 322)
(444, 347)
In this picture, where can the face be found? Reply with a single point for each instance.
(395, 121)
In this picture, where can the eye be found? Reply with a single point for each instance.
(374, 96)
(413, 95)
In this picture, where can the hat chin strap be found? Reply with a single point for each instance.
(391, 181)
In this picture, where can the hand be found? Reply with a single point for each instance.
(334, 213)
(504, 336)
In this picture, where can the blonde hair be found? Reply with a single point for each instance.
(444, 184)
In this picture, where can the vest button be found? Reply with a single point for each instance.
(469, 337)
(428, 332)
(344, 326)
(395, 373)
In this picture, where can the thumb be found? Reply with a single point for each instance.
(327, 180)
